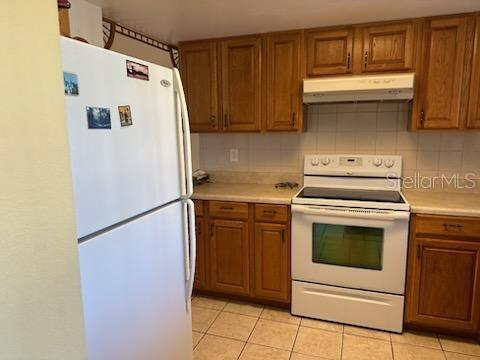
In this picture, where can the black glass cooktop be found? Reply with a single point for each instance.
(390, 196)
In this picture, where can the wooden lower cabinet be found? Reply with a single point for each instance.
(272, 262)
(200, 266)
(443, 291)
(243, 250)
(229, 252)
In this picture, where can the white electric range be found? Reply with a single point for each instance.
(349, 241)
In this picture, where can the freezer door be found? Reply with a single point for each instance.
(126, 170)
(134, 289)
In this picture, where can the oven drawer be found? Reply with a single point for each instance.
(277, 213)
(228, 210)
(447, 226)
(349, 306)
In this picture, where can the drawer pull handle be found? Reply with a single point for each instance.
(270, 212)
(226, 208)
(452, 227)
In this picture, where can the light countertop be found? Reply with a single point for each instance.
(444, 203)
(255, 193)
(421, 202)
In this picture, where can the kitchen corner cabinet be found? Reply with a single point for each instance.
(246, 252)
(385, 48)
(443, 289)
(473, 117)
(440, 73)
(283, 83)
(198, 66)
(329, 52)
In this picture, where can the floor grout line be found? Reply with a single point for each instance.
(298, 327)
(250, 335)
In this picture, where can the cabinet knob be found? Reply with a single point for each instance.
(452, 227)
(419, 251)
(422, 117)
(225, 121)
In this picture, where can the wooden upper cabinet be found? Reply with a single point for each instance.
(329, 52)
(440, 74)
(241, 84)
(387, 47)
(473, 117)
(198, 64)
(272, 262)
(283, 68)
(229, 256)
(443, 290)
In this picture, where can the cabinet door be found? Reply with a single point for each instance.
(229, 265)
(198, 63)
(473, 121)
(329, 52)
(272, 262)
(200, 266)
(440, 75)
(241, 85)
(283, 80)
(388, 48)
(444, 284)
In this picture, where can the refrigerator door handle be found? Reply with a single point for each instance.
(191, 249)
(181, 148)
(184, 127)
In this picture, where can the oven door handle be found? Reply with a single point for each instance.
(352, 213)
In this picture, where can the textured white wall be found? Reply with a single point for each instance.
(40, 298)
(86, 21)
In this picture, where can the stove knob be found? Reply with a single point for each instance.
(325, 161)
(389, 163)
(377, 162)
(314, 161)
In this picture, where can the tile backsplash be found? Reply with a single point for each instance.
(363, 128)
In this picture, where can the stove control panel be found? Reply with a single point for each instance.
(353, 165)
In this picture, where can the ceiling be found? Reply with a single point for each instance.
(177, 20)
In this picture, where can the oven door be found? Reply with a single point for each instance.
(350, 247)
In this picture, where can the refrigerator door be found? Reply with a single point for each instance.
(134, 289)
(122, 171)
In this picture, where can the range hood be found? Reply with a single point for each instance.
(358, 88)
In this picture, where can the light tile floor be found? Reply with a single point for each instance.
(230, 330)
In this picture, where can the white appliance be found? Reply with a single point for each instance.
(135, 221)
(349, 241)
(359, 88)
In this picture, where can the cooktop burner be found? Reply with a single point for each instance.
(390, 196)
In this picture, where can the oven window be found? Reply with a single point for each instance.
(353, 246)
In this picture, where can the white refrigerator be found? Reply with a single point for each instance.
(132, 182)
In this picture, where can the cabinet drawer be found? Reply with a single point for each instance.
(448, 226)
(198, 207)
(228, 209)
(264, 212)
